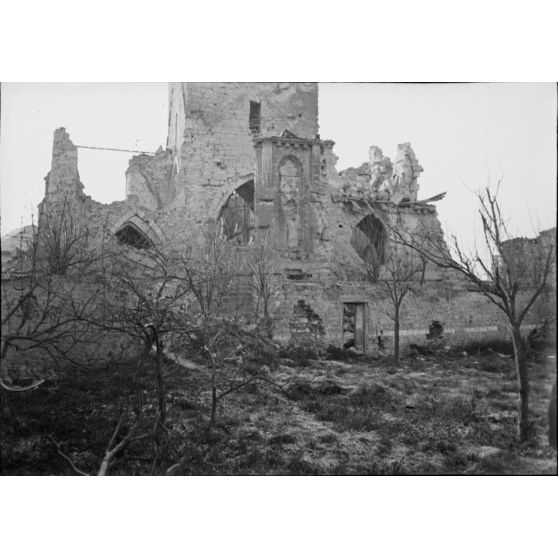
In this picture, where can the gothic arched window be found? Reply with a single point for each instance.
(131, 235)
(369, 241)
(237, 214)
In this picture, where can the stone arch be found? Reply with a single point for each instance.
(131, 235)
(227, 192)
(236, 216)
(369, 239)
(135, 230)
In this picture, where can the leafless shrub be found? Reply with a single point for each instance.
(511, 276)
(403, 273)
(262, 267)
(42, 311)
(114, 447)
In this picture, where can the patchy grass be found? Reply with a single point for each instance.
(450, 414)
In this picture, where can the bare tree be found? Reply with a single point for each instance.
(138, 298)
(207, 267)
(402, 274)
(113, 447)
(511, 276)
(63, 240)
(40, 310)
(262, 267)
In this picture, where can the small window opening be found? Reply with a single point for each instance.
(298, 275)
(132, 236)
(255, 118)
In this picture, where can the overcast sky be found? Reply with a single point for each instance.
(464, 135)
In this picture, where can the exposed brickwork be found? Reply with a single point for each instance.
(304, 321)
(262, 138)
(149, 179)
(63, 177)
(211, 139)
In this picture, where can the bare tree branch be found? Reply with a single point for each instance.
(515, 268)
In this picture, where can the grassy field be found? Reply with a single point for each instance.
(445, 414)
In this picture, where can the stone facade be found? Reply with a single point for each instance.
(211, 131)
(249, 154)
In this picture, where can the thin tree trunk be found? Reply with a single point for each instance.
(103, 469)
(213, 408)
(161, 436)
(552, 418)
(257, 308)
(396, 337)
(520, 356)
(268, 324)
(138, 379)
(161, 385)
(214, 399)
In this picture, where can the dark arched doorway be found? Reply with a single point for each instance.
(237, 216)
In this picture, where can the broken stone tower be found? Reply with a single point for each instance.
(249, 156)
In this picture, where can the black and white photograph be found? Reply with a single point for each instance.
(285, 274)
(235, 301)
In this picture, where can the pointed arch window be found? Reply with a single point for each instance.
(369, 240)
(132, 236)
(237, 214)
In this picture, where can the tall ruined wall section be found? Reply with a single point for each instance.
(334, 274)
(65, 201)
(527, 257)
(63, 188)
(353, 195)
(149, 180)
(211, 131)
(264, 136)
(63, 177)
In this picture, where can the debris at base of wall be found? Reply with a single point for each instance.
(305, 321)
(435, 330)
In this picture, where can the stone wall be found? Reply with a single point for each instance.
(465, 314)
(63, 177)
(149, 179)
(52, 330)
(211, 138)
(288, 191)
(223, 136)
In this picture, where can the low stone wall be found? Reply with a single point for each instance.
(465, 315)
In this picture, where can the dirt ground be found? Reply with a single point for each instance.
(449, 414)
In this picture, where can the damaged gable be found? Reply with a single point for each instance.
(248, 156)
(63, 177)
(149, 180)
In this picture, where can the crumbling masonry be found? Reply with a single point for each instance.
(249, 155)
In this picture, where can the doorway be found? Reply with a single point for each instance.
(354, 330)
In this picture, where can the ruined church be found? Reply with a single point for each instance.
(249, 156)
